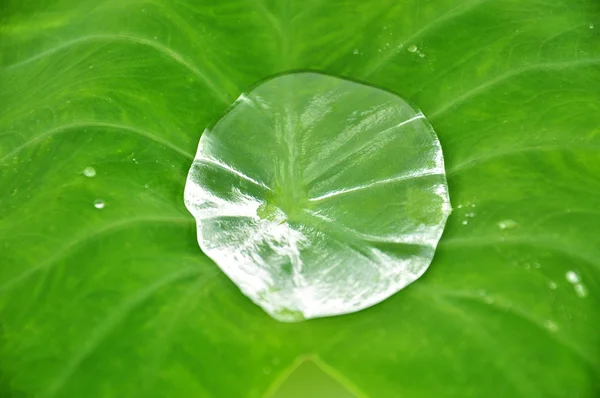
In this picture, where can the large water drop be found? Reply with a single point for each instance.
(319, 196)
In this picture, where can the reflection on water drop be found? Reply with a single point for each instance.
(89, 172)
(551, 326)
(572, 277)
(355, 52)
(580, 290)
(412, 48)
(507, 224)
(99, 204)
(465, 222)
(422, 55)
(591, 26)
(552, 285)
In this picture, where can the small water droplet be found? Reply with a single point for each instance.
(536, 265)
(146, 186)
(459, 206)
(267, 370)
(471, 215)
(465, 222)
(552, 285)
(99, 204)
(591, 26)
(89, 172)
(572, 277)
(507, 224)
(412, 48)
(551, 326)
(580, 290)
(355, 52)
(422, 55)
(155, 37)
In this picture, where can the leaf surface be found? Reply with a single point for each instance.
(119, 301)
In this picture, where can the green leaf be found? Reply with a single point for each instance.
(319, 196)
(119, 301)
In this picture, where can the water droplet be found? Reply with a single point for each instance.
(551, 326)
(267, 370)
(99, 204)
(422, 55)
(274, 224)
(572, 277)
(465, 222)
(412, 48)
(89, 172)
(146, 186)
(507, 224)
(591, 26)
(536, 265)
(459, 206)
(580, 290)
(471, 215)
(355, 52)
(552, 285)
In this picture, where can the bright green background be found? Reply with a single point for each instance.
(120, 301)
